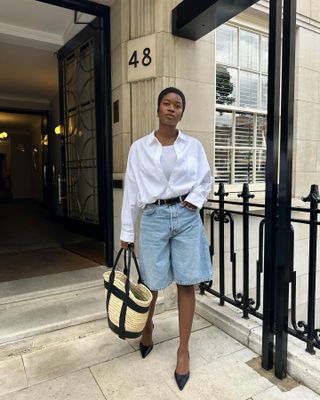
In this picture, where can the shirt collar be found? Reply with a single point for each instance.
(152, 138)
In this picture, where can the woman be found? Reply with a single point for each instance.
(169, 178)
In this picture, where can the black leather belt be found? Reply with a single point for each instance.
(173, 200)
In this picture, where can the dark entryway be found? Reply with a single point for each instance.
(31, 244)
(34, 231)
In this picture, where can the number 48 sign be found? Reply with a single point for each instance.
(146, 59)
(141, 58)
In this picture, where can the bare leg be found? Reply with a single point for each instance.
(146, 338)
(186, 306)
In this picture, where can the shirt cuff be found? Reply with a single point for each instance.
(195, 199)
(127, 237)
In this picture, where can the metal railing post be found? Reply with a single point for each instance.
(274, 72)
(285, 188)
(246, 195)
(222, 194)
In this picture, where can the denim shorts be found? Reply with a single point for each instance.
(173, 247)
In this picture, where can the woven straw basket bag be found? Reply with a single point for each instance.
(127, 303)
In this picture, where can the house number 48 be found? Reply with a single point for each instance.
(145, 61)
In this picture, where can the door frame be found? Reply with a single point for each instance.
(103, 12)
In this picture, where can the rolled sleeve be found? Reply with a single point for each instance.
(203, 185)
(195, 200)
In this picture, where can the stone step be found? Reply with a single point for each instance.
(49, 355)
(36, 306)
(52, 338)
(20, 326)
(33, 308)
(27, 291)
(51, 313)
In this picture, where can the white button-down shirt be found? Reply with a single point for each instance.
(145, 181)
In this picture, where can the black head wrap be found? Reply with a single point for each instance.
(172, 90)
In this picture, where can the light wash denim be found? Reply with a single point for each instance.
(173, 247)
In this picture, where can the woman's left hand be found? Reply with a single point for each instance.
(188, 205)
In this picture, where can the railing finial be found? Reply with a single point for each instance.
(313, 195)
(245, 194)
(221, 191)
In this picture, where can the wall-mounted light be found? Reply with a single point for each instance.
(57, 130)
(44, 141)
(3, 135)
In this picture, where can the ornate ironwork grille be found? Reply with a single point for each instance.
(80, 134)
(240, 281)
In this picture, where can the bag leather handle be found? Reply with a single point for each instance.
(127, 268)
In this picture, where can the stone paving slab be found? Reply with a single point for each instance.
(166, 327)
(298, 393)
(58, 360)
(206, 344)
(119, 377)
(227, 378)
(76, 386)
(16, 378)
(211, 343)
(157, 391)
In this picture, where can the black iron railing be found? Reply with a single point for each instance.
(222, 212)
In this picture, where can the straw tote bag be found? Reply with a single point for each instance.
(127, 303)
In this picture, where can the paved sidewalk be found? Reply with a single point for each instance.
(221, 369)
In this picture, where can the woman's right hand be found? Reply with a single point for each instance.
(124, 245)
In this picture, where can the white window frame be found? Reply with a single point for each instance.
(232, 187)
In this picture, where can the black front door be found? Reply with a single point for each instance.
(81, 185)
